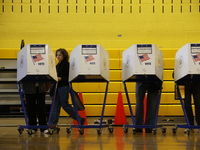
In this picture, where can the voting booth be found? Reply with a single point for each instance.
(89, 63)
(187, 63)
(142, 62)
(36, 62)
(187, 66)
(186, 70)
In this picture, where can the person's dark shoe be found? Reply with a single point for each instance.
(32, 130)
(82, 121)
(138, 130)
(148, 130)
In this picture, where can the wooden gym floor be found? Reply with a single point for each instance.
(10, 139)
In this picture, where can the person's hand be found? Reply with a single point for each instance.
(59, 78)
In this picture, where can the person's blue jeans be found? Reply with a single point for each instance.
(62, 100)
(152, 89)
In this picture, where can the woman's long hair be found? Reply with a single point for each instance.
(64, 53)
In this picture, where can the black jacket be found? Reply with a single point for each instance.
(62, 69)
(30, 88)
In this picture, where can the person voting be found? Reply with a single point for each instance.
(143, 64)
(35, 67)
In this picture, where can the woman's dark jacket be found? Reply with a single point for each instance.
(62, 69)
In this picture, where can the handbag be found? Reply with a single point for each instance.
(78, 101)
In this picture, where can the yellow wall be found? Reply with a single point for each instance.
(115, 24)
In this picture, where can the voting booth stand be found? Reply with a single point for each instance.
(89, 63)
(35, 63)
(186, 69)
(142, 63)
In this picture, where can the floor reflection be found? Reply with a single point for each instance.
(90, 140)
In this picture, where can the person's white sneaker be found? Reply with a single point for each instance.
(33, 131)
(46, 131)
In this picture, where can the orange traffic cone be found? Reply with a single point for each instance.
(81, 112)
(120, 117)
